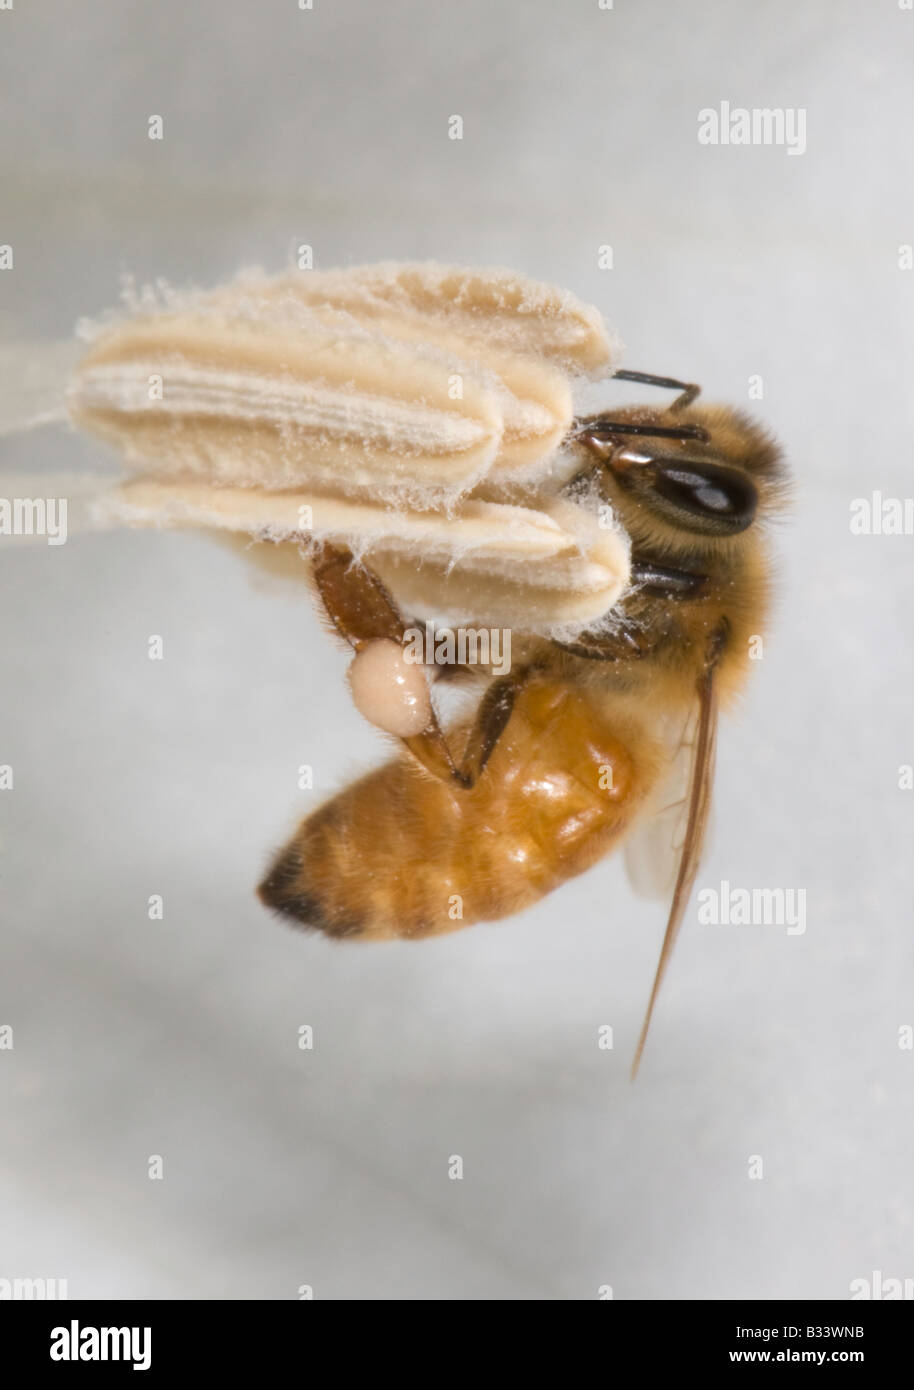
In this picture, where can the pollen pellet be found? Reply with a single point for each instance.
(391, 692)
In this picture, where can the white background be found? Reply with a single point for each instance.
(133, 777)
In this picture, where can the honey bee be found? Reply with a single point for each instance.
(421, 418)
(588, 742)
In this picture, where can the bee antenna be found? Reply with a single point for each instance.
(688, 390)
(606, 428)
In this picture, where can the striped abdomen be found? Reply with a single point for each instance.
(400, 853)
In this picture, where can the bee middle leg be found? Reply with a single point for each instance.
(625, 643)
(432, 750)
(362, 611)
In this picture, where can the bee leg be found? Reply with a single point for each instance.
(623, 644)
(356, 601)
(433, 752)
(362, 610)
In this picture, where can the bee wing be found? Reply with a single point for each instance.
(653, 850)
(702, 748)
(533, 569)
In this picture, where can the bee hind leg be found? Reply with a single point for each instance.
(362, 611)
(356, 601)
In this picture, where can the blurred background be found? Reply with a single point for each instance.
(328, 1167)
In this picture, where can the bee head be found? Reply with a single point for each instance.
(687, 476)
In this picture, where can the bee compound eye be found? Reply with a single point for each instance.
(389, 691)
(720, 499)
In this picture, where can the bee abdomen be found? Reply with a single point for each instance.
(359, 867)
(281, 890)
(401, 854)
